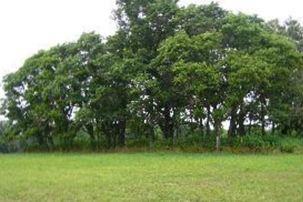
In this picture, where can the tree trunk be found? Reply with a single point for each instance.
(250, 124)
(41, 140)
(241, 119)
(201, 127)
(232, 124)
(168, 126)
(208, 121)
(262, 115)
(218, 134)
(273, 128)
(151, 135)
(90, 131)
(122, 128)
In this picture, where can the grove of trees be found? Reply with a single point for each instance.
(168, 72)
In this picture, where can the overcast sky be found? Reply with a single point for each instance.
(27, 26)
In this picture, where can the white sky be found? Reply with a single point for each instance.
(27, 26)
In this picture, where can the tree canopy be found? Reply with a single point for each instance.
(168, 71)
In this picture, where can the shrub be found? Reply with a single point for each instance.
(289, 145)
(3, 148)
(267, 142)
(196, 140)
(138, 142)
(273, 141)
(253, 142)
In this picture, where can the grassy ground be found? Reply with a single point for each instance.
(151, 177)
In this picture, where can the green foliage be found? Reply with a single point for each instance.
(289, 145)
(254, 142)
(268, 142)
(169, 76)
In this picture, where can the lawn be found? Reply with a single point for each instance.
(151, 177)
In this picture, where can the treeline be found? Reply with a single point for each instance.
(167, 73)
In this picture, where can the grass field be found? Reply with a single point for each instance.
(151, 177)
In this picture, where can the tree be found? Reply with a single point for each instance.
(168, 71)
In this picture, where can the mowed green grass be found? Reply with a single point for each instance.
(151, 177)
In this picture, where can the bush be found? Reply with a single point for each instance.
(252, 142)
(273, 141)
(138, 142)
(196, 140)
(266, 142)
(289, 145)
(3, 148)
